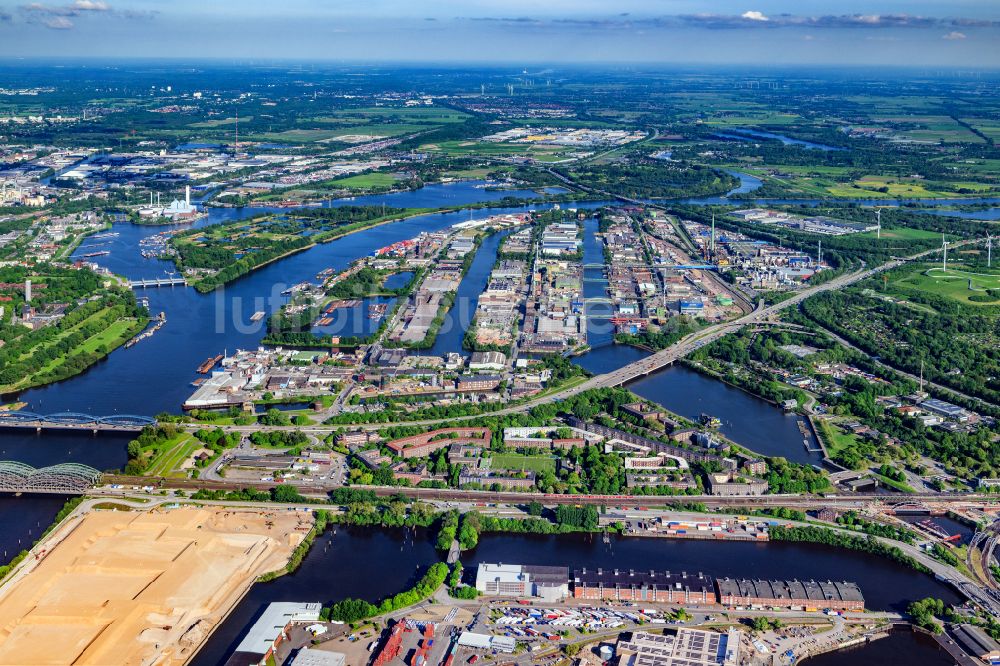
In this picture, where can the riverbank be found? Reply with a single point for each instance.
(235, 270)
(140, 586)
(111, 335)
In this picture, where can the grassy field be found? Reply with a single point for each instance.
(836, 439)
(954, 284)
(169, 456)
(364, 181)
(222, 122)
(902, 233)
(907, 188)
(313, 135)
(110, 338)
(841, 182)
(930, 129)
(761, 117)
(417, 114)
(516, 461)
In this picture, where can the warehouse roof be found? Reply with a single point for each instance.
(662, 580)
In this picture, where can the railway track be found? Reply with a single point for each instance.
(512, 497)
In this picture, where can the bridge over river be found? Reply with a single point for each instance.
(63, 479)
(75, 421)
(157, 282)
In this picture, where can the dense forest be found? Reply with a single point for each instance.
(956, 347)
(655, 179)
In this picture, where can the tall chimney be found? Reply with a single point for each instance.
(187, 195)
(27, 291)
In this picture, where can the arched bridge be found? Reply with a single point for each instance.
(75, 421)
(66, 478)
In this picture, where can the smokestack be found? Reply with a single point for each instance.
(27, 291)
(187, 196)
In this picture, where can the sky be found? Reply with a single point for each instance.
(958, 33)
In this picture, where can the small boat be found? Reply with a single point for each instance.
(257, 316)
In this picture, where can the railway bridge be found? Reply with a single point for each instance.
(62, 479)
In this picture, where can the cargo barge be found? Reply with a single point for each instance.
(209, 363)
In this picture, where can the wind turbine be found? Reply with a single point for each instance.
(878, 221)
(944, 255)
(989, 251)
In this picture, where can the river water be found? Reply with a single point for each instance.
(371, 563)
(741, 134)
(475, 281)
(901, 647)
(23, 519)
(746, 419)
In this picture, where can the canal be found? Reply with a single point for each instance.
(474, 282)
(154, 376)
(371, 563)
(901, 647)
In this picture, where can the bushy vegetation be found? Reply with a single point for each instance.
(353, 610)
(839, 539)
(923, 612)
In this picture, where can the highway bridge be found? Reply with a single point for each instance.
(157, 282)
(75, 421)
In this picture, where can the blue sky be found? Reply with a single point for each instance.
(915, 32)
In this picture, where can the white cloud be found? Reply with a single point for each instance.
(91, 6)
(753, 15)
(58, 23)
(954, 36)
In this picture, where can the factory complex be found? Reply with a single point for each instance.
(551, 583)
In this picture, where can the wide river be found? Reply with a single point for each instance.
(156, 374)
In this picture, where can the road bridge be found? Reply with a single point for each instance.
(75, 421)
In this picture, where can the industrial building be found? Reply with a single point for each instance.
(632, 585)
(312, 657)
(689, 647)
(554, 583)
(515, 580)
(488, 360)
(792, 594)
(487, 642)
(977, 642)
(270, 630)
